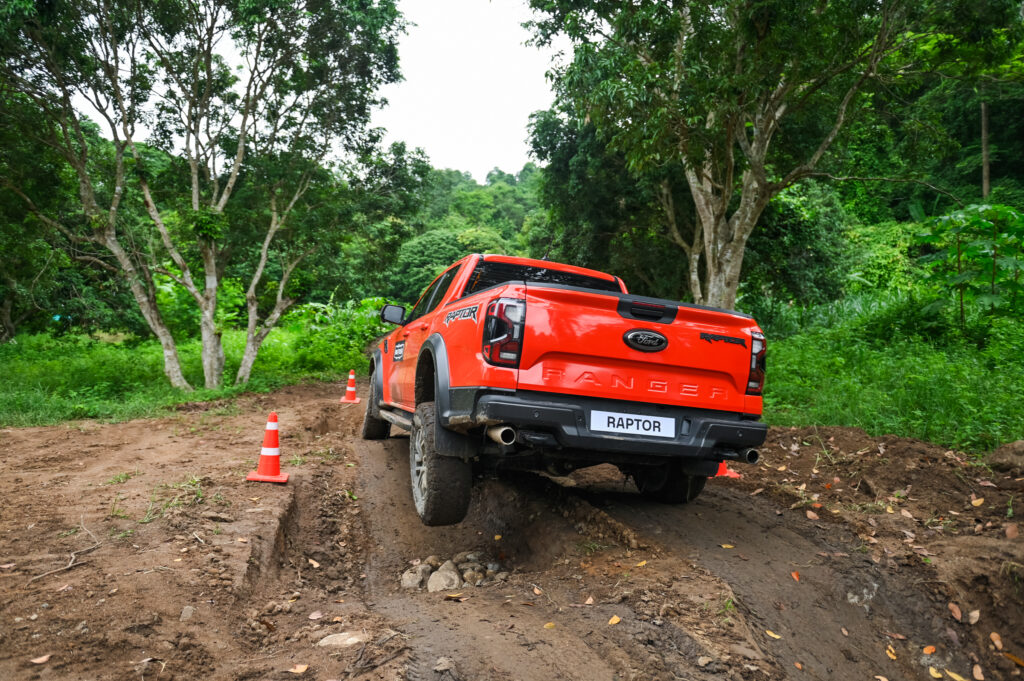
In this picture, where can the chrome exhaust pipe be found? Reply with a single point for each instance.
(503, 435)
(750, 455)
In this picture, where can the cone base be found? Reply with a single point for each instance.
(258, 477)
(725, 472)
(345, 400)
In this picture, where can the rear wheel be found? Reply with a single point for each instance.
(440, 484)
(668, 484)
(374, 427)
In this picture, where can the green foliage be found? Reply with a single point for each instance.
(978, 258)
(336, 338)
(954, 394)
(420, 260)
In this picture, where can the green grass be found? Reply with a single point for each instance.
(49, 380)
(953, 393)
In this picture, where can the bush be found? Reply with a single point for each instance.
(336, 339)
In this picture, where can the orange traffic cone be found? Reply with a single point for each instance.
(725, 472)
(269, 468)
(350, 390)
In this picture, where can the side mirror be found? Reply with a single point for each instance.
(392, 314)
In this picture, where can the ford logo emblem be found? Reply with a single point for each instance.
(645, 340)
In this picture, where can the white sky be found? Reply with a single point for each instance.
(470, 84)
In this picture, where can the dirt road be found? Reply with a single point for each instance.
(139, 551)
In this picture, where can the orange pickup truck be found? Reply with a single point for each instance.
(515, 363)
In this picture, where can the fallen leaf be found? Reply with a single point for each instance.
(997, 640)
(589, 601)
(66, 587)
(497, 537)
(977, 673)
(615, 619)
(7, 566)
(954, 676)
(976, 502)
(537, 591)
(795, 576)
(727, 546)
(898, 637)
(906, 514)
(1011, 531)
(928, 650)
(641, 563)
(811, 515)
(1016, 660)
(935, 673)
(987, 483)
(954, 609)
(242, 540)
(549, 625)
(889, 509)
(757, 491)
(782, 468)
(881, 678)
(313, 562)
(458, 598)
(798, 666)
(816, 505)
(315, 615)
(338, 619)
(41, 660)
(298, 669)
(772, 633)
(845, 631)
(973, 616)
(891, 652)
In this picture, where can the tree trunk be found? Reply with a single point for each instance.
(7, 328)
(985, 183)
(253, 341)
(213, 348)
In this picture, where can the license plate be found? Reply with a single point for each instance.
(632, 424)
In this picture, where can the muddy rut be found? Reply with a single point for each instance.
(840, 557)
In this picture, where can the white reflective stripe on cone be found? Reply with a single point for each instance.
(271, 425)
(270, 451)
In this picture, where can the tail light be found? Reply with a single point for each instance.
(755, 384)
(503, 331)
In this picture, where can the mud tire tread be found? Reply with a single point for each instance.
(374, 427)
(449, 480)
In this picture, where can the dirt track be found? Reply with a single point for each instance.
(849, 550)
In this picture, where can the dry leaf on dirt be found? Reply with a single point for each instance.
(41, 660)
(889, 509)
(615, 619)
(67, 587)
(549, 625)
(898, 637)
(497, 537)
(973, 616)
(928, 650)
(845, 631)
(337, 619)
(458, 598)
(757, 491)
(891, 652)
(954, 609)
(811, 515)
(906, 514)
(298, 669)
(977, 673)
(795, 576)
(589, 601)
(7, 566)
(641, 563)
(1013, 658)
(782, 468)
(987, 483)
(1011, 531)
(955, 676)
(727, 546)
(313, 562)
(315, 615)
(242, 540)
(934, 673)
(772, 633)
(975, 502)
(537, 591)
(798, 666)
(997, 640)
(881, 678)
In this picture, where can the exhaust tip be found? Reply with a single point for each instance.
(503, 435)
(750, 455)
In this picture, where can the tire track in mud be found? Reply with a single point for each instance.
(835, 620)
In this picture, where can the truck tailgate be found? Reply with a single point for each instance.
(575, 343)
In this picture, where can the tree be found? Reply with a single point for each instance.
(747, 98)
(260, 129)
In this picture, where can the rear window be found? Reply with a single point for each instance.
(488, 274)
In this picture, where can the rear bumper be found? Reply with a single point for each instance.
(563, 422)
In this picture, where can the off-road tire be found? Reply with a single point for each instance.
(670, 486)
(440, 484)
(374, 427)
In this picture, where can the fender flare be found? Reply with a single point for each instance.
(433, 349)
(377, 374)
